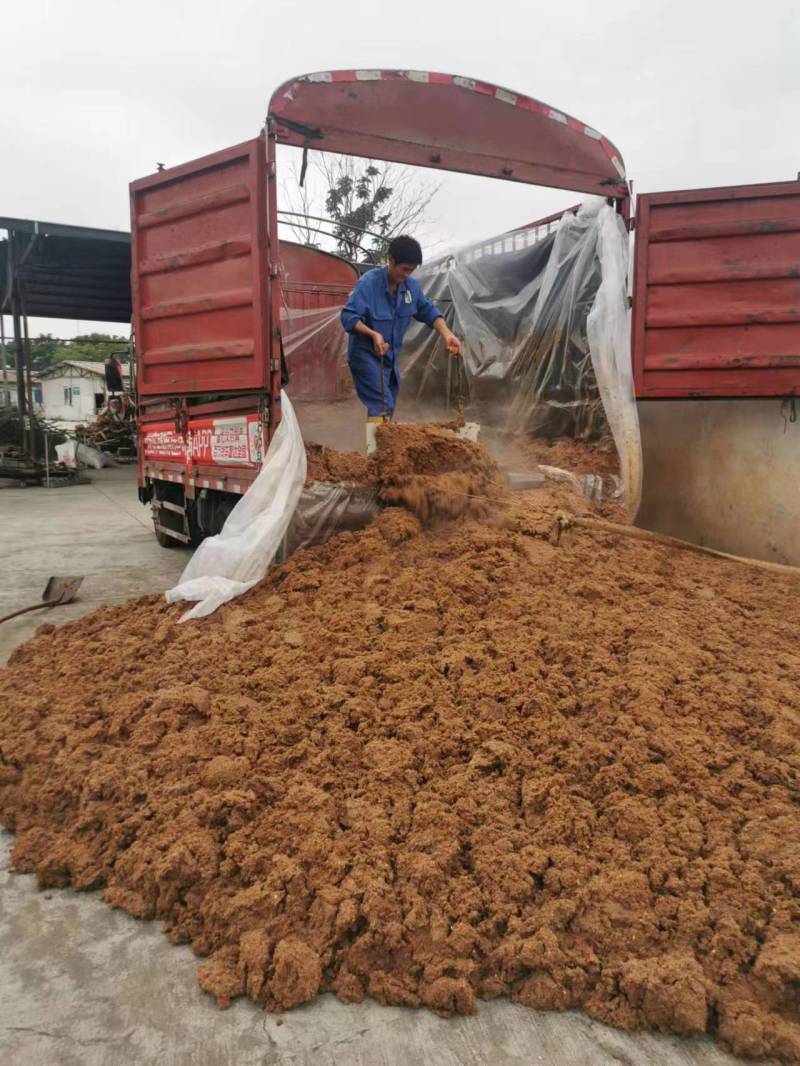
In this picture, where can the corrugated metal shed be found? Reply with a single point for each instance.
(73, 272)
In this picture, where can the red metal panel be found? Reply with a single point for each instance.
(315, 286)
(219, 446)
(447, 122)
(199, 274)
(311, 266)
(274, 303)
(716, 296)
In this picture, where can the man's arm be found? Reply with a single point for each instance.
(429, 313)
(379, 345)
(450, 339)
(352, 317)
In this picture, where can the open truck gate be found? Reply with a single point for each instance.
(213, 450)
(716, 287)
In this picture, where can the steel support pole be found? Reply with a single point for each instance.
(28, 384)
(19, 352)
(3, 366)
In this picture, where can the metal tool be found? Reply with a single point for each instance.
(58, 590)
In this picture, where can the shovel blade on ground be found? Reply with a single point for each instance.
(61, 589)
(57, 590)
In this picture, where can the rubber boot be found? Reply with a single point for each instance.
(372, 433)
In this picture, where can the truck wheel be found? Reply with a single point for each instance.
(164, 539)
(196, 534)
(169, 510)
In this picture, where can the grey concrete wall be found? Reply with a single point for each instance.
(723, 473)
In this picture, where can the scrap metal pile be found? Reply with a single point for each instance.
(113, 431)
(442, 758)
(16, 463)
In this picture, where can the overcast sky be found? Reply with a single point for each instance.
(95, 92)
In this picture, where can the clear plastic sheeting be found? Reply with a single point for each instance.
(303, 326)
(327, 508)
(315, 348)
(609, 332)
(545, 331)
(230, 563)
(531, 364)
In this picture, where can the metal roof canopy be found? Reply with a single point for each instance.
(50, 270)
(72, 272)
(447, 122)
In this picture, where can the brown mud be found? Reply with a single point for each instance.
(523, 451)
(433, 764)
(421, 465)
(435, 474)
(330, 464)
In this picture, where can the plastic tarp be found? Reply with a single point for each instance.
(315, 347)
(302, 326)
(609, 331)
(546, 340)
(325, 509)
(230, 563)
(545, 334)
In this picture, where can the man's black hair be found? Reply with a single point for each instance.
(405, 250)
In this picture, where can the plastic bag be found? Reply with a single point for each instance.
(230, 563)
(73, 454)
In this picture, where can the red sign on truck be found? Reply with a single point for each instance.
(208, 441)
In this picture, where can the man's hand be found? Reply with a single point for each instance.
(453, 344)
(379, 345)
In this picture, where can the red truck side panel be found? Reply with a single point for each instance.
(716, 299)
(200, 274)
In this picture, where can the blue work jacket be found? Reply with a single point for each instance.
(371, 302)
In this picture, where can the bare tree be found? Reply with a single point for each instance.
(364, 204)
(301, 221)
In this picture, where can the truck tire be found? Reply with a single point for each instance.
(163, 538)
(169, 512)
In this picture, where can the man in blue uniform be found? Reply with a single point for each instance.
(377, 315)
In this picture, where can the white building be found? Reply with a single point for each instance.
(8, 388)
(74, 390)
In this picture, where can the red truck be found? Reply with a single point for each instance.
(716, 305)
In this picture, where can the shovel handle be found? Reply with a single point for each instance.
(25, 610)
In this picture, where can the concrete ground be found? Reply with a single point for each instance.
(82, 985)
(99, 530)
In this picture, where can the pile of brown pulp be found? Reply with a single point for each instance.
(430, 764)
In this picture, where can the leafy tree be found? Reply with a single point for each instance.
(47, 350)
(44, 352)
(94, 347)
(365, 203)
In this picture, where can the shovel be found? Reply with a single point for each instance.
(57, 590)
(470, 430)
